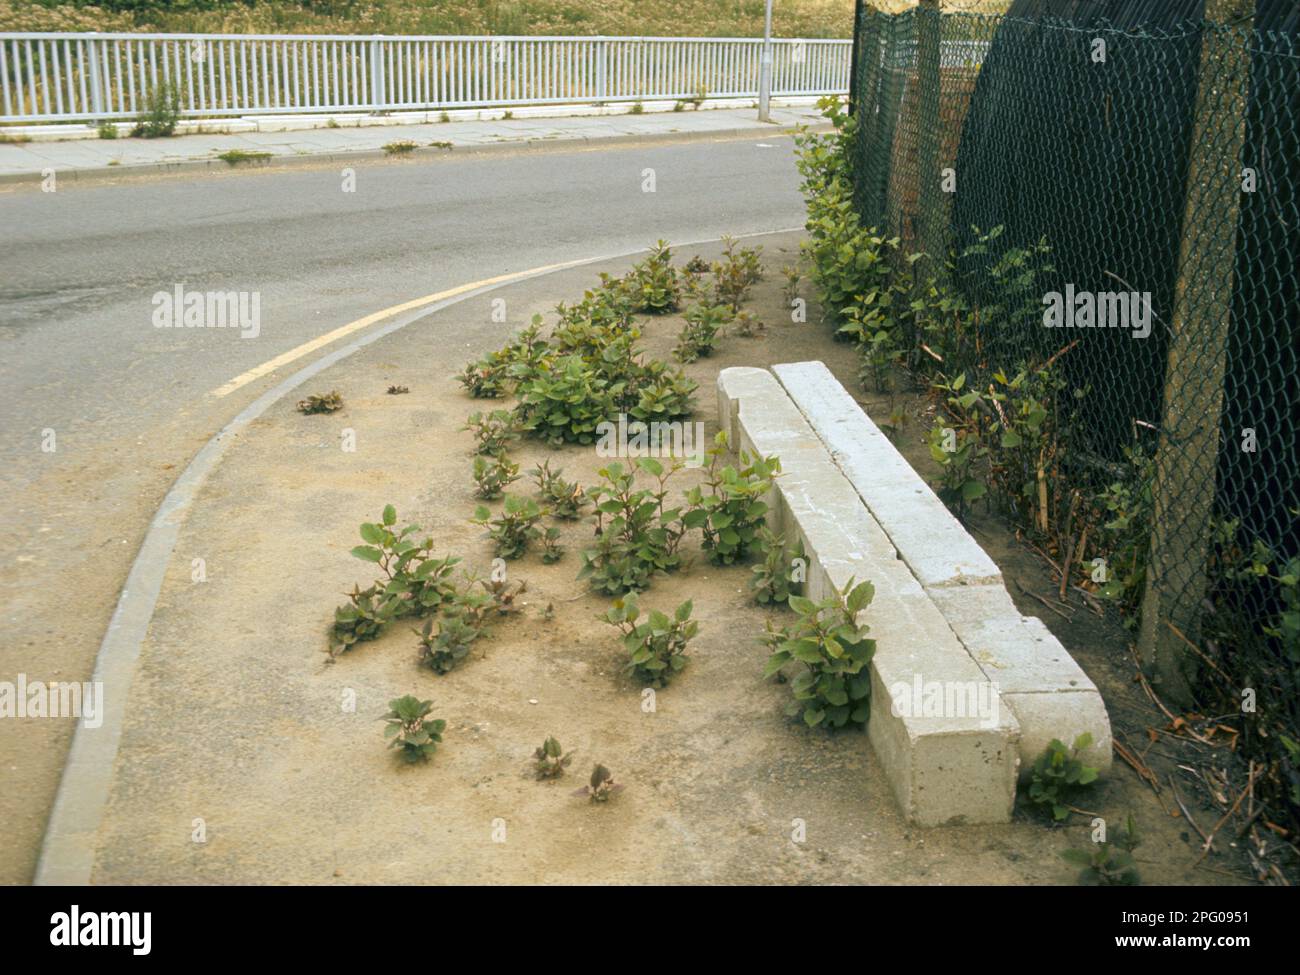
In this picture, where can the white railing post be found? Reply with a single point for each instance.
(600, 70)
(378, 93)
(96, 80)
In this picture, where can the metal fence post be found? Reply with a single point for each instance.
(765, 69)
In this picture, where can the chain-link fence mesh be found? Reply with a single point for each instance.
(1112, 164)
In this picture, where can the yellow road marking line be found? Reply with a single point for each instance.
(284, 358)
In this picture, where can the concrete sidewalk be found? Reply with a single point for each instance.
(31, 161)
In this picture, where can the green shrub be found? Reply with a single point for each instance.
(656, 648)
(729, 508)
(835, 686)
(107, 130)
(514, 529)
(411, 729)
(1125, 533)
(564, 402)
(956, 452)
(162, 110)
(1058, 775)
(420, 582)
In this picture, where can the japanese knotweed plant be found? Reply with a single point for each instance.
(563, 499)
(1058, 775)
(782, 571)
(514, 529)
(492, 474)
(834, 688)
(729, 508)
(653, 282)
(419, 582)
(656, 646)
(550, 759)
(636, 534)
(492, 431)
(410, 728)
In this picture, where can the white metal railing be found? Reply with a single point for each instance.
(65, 76)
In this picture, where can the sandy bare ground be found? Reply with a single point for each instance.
(237, 723)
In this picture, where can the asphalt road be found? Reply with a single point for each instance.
(125, 405)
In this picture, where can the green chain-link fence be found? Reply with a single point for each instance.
(1159, 164)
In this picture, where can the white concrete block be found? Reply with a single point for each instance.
(947, 764)
(1046, 688)
(932, 542)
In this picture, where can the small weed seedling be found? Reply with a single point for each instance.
(602, 786)
(1058, 775)
(564, 500)
(400, 148)
(107, 130)
(1109, 864)
(835, 687)
(411, 729)
(748, 325)
(493, 474)
(774, 579)
(321, 403)
(551, 760)
(790, 290)
(516, 527)
(503, 594)
(657, 647)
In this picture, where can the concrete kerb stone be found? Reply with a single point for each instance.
(955, 766)
(1046, 688)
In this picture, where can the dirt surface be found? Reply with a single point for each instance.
(238, 727)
